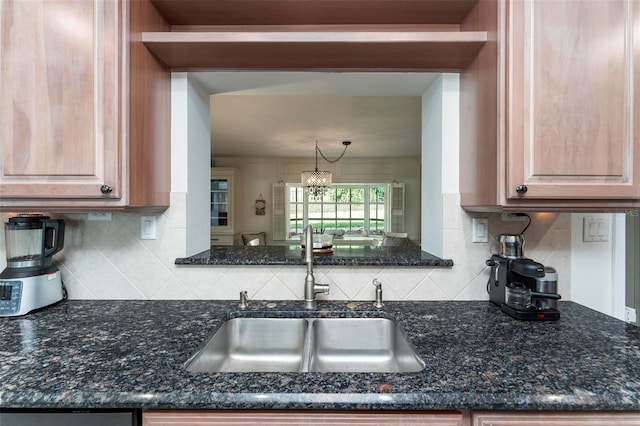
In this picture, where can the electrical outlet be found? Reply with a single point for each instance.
(630, 315)
(480, 232)
(147, 227)
(512, 217)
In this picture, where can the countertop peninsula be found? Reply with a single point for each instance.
(346, 255)
(130, 354)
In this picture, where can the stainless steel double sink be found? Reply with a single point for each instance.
(307, 345)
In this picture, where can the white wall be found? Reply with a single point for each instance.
(450, 133)
(190, 153)
(597, 268)
(440, 169)
(432, 131)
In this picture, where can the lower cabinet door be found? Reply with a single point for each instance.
(556, 419)
(237, 418)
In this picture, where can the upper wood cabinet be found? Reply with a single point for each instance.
(570, 100)
(567, 109)
(61, 128)
(64, 107)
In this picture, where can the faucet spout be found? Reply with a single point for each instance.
(311, 288)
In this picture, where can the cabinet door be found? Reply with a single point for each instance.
(60, 99)
(211, 418)
(571, 92)
(222, 197)
(557, 419)
(220, 203)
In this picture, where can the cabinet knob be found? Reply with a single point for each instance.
(521, 189)
(106, 189)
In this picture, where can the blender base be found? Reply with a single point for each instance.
(19, 296)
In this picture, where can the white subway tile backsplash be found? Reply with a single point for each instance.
(250, 279)
(335, 293)
(453, 281)
(274, 289)
(476, 289)
(107, 260)
(173, 289)
(428, 290)
(352, 280)
(400, 282)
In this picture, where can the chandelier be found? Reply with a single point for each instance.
(316, 182)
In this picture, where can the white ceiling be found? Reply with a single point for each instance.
(282, 114)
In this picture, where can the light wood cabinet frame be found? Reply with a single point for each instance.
(311, 418)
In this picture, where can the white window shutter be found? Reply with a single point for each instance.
(397, 207)
(279, 212)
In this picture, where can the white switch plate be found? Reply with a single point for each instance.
(147, 227)
(480, 233)
(595, 229)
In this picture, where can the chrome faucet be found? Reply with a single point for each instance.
(311, 288)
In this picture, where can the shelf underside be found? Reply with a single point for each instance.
(367, 50)
(284, 12)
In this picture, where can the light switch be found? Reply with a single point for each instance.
(480, 233)
(147, 227)
(602, 229)
(595, 229)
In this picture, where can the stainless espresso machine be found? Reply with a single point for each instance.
(521, 287)
(31, 281)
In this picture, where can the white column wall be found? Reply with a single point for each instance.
(190, 156)
(440, 156)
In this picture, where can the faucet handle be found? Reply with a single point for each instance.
(378, 302)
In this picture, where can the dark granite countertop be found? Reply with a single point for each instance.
(292, 255)
(126, 354)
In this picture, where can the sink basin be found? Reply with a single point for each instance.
(253, 344)
(361, 345)
(307, 345)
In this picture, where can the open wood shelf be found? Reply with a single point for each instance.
(327, 50)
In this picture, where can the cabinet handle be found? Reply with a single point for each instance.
(106, 189)
(521, 189)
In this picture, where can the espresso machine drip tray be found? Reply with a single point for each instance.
(531, 314)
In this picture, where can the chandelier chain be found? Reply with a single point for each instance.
(331, 161)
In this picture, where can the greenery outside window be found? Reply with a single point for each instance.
(348, 209)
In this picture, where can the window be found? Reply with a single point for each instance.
(355, 209)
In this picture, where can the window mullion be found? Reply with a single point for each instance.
(367, 209)
(330, 208)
